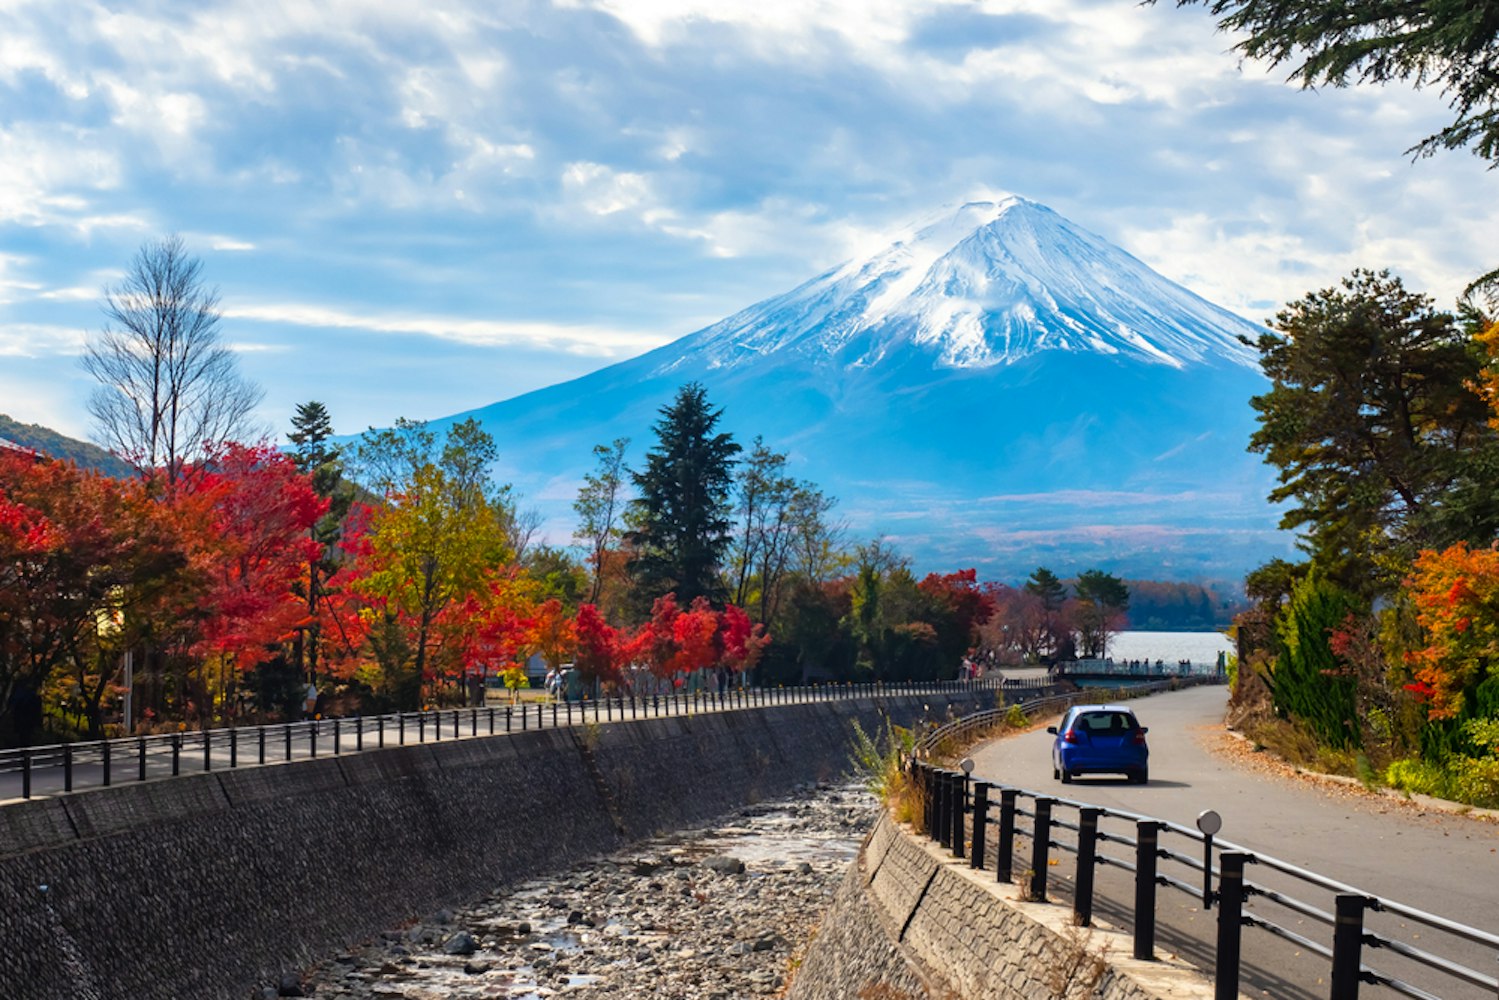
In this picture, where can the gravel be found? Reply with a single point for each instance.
(711, 914)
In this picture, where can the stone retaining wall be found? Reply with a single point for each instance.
(910, 922)
(210, 885)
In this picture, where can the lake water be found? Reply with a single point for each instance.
(1201, 648)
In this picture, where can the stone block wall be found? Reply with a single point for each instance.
(911, 923)
(209, 885)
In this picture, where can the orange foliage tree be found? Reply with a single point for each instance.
(1456, 595)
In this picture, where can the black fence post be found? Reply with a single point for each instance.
(1230, 922)
(104, 754)
(260, 758)
(312, 738)
(959, 783)
(176, 754)
(928, 806)
(335, 738)
(980, 822)
(207, 751)
(1087, 857)
(1347, 943)
(401, 728)
(421, 727)
(142, 756)
(509, 711)
(939, 816)
(26, 772)
(233, 748)
(358, 733)
(67, 768)
(1005, 849)
(380, 731)
(287, 730)
(1147, 835)
(1041, 850)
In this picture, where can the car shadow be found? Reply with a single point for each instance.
(1081, 782)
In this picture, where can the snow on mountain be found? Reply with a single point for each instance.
(997, 388)
(988, 285)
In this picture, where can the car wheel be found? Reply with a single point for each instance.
(1055, 773)
(1066, 776)
(1141, 776)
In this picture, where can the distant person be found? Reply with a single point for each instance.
(309, 700)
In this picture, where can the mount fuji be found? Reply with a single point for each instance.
(996, 388)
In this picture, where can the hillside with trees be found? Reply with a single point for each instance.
(58, 446)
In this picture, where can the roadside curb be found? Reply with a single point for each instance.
(1426, 802)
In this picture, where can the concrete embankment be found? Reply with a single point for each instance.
(209, 885)
(911, 923)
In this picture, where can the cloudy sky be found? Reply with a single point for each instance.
(420, 208)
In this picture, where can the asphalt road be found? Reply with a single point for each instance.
(1440, 862)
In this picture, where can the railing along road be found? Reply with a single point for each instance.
(69, 767)
(1014, 832)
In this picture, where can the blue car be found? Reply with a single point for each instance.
(1100, 739)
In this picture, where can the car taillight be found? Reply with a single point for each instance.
(1071, 736)
(1139, 738)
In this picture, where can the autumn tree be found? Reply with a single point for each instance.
(263, 512)
(1456, 596)
(779, 527)
(85, 562)
(680, 519)
(1382, 446)
(599, 506)
(442, 529)
(169, 391)
(600, 654)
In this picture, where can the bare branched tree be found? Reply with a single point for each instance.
(169, 390)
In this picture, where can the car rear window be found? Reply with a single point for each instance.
(1104, 722)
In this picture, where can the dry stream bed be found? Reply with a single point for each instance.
(708, 914)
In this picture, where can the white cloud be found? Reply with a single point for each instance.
(34, 340)
(578, 339)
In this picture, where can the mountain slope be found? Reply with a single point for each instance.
(997, 388)
(50, 442)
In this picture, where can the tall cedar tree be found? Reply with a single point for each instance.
(1383, 447)
(681, 517)
(312, 429)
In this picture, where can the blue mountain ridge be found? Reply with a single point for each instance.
(997, 388)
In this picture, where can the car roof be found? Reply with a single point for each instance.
(1079, 709)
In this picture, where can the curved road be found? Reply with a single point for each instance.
(1440, 862)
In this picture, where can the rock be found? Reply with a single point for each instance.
(575, 917)
(804, 869)
(476, 968)
(290, 986)
(723, 864)
(523, 928)
(461, 943)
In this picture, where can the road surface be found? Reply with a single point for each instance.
(1440, 862)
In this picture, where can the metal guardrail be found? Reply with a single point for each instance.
(69, 767)
(959, 813)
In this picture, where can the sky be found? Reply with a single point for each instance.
(418, 209)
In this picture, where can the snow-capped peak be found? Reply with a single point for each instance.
(987, 284)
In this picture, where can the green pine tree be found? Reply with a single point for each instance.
(679, 521)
